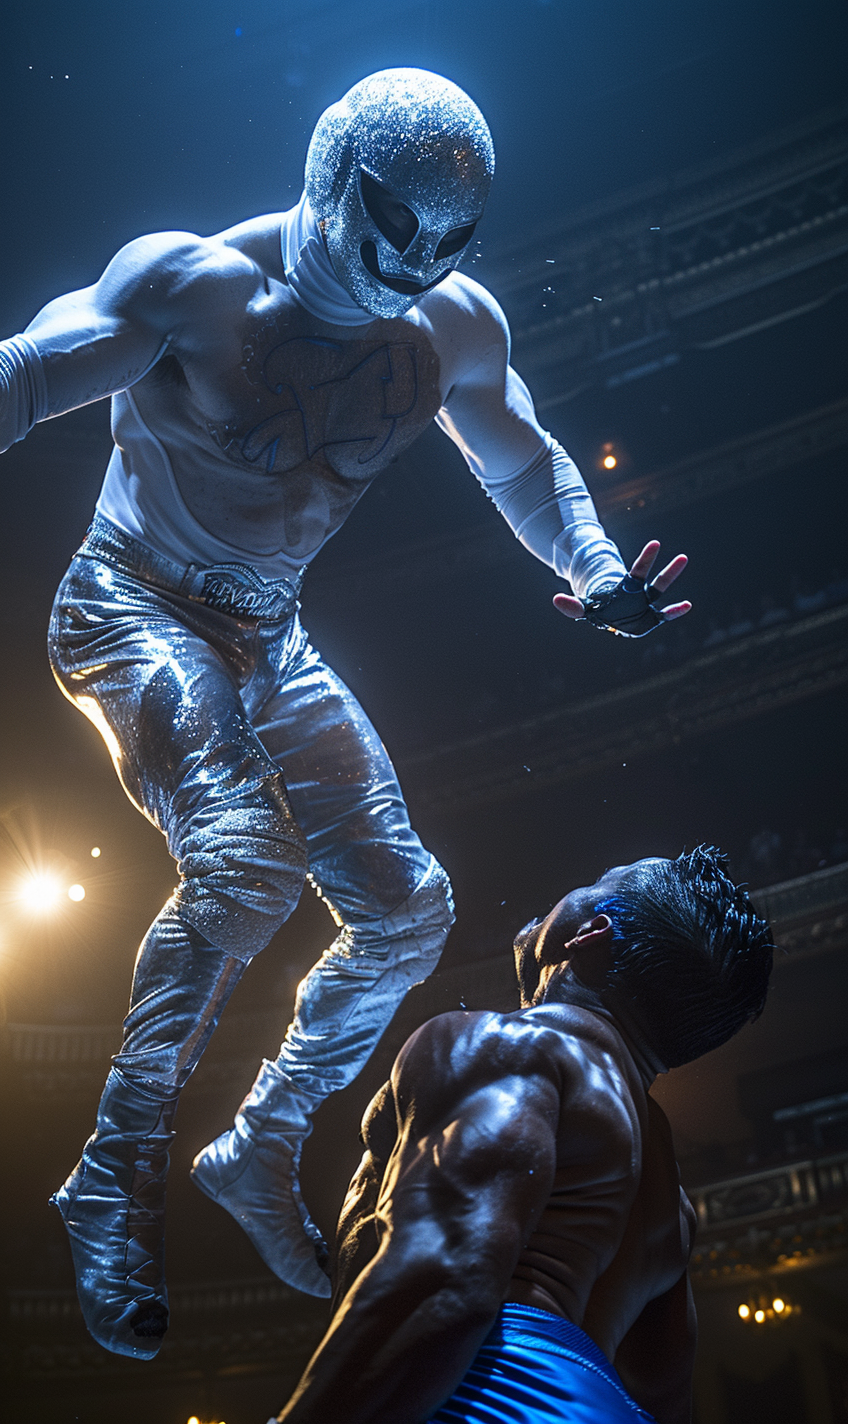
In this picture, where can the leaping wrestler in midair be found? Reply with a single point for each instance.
(260, 379)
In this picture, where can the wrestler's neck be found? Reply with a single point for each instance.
(571, 990)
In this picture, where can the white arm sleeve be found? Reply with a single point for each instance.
(548, 507)
(23, 389)
(536, 486)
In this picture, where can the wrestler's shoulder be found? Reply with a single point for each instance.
(477, 1046)
(467, 311)
(179, 267)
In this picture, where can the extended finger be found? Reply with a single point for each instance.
(674, 610)
(645, 562)
(571, 607)
(670, 573)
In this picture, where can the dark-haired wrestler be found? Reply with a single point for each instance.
(260, 379)
(514, 1245)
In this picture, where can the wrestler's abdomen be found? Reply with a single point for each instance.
(274, 437)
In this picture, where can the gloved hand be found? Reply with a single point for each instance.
(627, 607)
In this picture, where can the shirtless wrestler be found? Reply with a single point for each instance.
(514, 1245)
(260, 379)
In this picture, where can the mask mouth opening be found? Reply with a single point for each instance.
(404, 286)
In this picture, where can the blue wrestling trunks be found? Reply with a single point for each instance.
(536, 1368)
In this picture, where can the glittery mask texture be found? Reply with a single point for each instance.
(425, 145)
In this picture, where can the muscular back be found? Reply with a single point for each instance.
(553, 1093)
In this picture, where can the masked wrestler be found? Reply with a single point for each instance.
(260, 379)
(515, 1243)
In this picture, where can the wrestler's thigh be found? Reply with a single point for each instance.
(163, 698)
(344, 792)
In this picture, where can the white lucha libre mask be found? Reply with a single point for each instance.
(397, 174)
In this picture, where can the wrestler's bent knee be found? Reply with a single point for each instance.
(242, 862)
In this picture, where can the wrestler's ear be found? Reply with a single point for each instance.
(590, 951)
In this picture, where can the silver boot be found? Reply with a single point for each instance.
(113, 1203)
(252, 1171)
(113, 1206)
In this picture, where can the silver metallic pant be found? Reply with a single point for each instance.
(233, 736)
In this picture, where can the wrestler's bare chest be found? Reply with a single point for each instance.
(277, 422)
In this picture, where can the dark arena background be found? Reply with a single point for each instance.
(667, 234)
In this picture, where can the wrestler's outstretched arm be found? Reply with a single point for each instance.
(469, 1176)
(488, 412)
(103, 338)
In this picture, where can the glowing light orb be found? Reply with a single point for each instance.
(41, 893)
(76, 892)
(759, 1316)
(95, 855)
(778, 1305)
(610, 462)
(744, 1312)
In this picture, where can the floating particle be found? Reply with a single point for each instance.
(597, 299)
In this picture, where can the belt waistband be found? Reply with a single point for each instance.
(236, 589)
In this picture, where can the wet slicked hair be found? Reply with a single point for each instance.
(690, 954)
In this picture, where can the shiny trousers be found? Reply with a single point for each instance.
(256, 762)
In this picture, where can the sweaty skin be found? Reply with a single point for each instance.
(275, 421)
(511, 1157)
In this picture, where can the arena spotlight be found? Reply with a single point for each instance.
(609, 459)
(76, 893)
(744, 1312)
(40, 892)
(95, 855)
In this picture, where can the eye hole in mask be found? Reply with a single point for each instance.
(453, 241)
(397, 223)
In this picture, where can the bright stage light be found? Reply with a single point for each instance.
(610, 462)
(744, 1312)
(76, 892)
(40, 893)
(95, 855)
(778, 1305)
(759, 1316)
